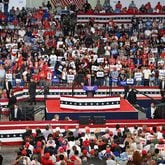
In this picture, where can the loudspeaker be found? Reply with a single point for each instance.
(84, 120)
(27, 113)
(99, 120)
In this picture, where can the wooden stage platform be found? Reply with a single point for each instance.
(126, 111)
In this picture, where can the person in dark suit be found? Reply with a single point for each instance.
(15, 113)
(90, 81)
(162, 88)
(6, 6)
(132, 97)
(126, 91)
(12, 101)
(32, 91)
(7, 87)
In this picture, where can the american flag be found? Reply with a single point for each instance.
(64, 3)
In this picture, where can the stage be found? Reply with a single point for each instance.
(126, 111)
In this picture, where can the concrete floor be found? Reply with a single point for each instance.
(9, 154)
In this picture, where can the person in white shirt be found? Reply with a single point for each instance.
(110, 161)
(138, 75)
(146, 75)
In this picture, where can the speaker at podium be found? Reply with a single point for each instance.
(89, 85)
(90, 90)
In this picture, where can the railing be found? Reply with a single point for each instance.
(118, 18)
(11, 132)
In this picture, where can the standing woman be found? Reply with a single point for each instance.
(32, 91)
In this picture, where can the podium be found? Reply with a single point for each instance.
(90, 90)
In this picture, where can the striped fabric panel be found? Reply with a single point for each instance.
(64, 3)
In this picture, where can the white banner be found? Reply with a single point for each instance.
(100, 60)
(94, 68)
(9, 76)
(70, 78)
(100, 74)
(88, 100)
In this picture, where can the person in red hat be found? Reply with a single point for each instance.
(29, 147)
(144, 152)
(45, 160)
(23, 159)
(60, 158)
(75, 158)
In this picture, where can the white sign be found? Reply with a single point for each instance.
(94, 68)
(9, 76)
(130, 81)
(100, 74)
(17, 3)
(100, 60)
(138, 76)
(70, 78)
(162, 72)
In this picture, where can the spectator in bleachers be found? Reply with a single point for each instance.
(48, 130)
(48, 5)
(141, 145)
(132, 8)
(6, 6)
(86, 6)
(146, 74)
(33, 47)
(107, 7)
(98, 7)
(2, 74)
(132, 5)
(118, 7)
(56, 117)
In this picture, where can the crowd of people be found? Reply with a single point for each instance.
(113, 146)
(130, 8)
(35, 44)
